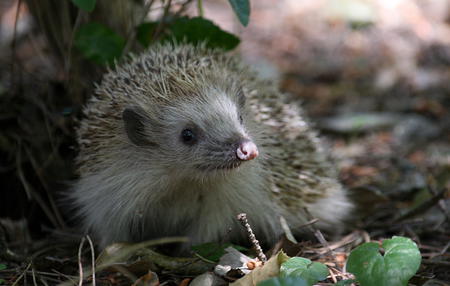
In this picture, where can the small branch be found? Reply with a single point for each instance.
(311, 222)
(183, 8)
(132, 34)
(439, 263)
(424, 206)
(201, 12)
(317, 233)
(13, 43)
(21, 275)
(34, 276)
(441, 203)
(68, 61)
(31, 193)
(243, 219)
(80, 266)
(38, 171)
(91, 245)
(162, 21)
(333, 277)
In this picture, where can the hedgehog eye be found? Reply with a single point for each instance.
(188, 137)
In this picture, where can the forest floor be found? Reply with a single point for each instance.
(386, 126)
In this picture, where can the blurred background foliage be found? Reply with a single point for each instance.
(372, 74)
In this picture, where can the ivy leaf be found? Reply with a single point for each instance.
(242, 10)
(99, 43)
(311, 272)
(284, 281)
(86, 5)
(399, 263)
(197, 30)
(2, 266)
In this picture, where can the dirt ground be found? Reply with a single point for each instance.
(373, 77)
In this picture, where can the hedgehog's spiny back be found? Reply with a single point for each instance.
(151, 74)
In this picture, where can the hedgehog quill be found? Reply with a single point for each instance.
(181, 139)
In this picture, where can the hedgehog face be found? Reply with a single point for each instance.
(194, 135)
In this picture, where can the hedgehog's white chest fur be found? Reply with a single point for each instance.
(159, 207)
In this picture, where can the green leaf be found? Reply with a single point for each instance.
(2, 281)
(311, 272)
(284, 281)
(86, 5)
(2, 266)
(99, 43)
(197, 30)
(214, 251)
(399, 263)
(191, 30)
(145, 31)
(242, 10)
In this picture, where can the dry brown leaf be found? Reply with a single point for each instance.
(270, 269)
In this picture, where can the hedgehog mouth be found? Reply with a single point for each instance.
(220, 167)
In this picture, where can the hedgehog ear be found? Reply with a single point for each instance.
(135, 122)
(241, 97)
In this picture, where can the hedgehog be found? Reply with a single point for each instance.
(179, 140)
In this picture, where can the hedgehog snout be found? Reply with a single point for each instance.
(247, 150)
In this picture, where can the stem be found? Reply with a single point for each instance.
(243, 219)
(200, 8)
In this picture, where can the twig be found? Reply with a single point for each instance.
(132, 33)
(318, 234)
(80, 266)
(201, 12)
(57, 215)
(34, 276)
(22, 275)
(441, 203)
(355, 237)
(91, 245)
(444, 250)
(68, 277)
(424, 206)
(243, 219)
(68, 61)
(13, 43)
(31, 193)
(333, 277)
(440, 252)
(41, 273)
(311, 222)
(43, 281)
(183, 8)
(162, 20)
(440, 263)
(176, 265)
(125, 272)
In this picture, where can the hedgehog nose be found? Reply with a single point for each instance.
(247, 150)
